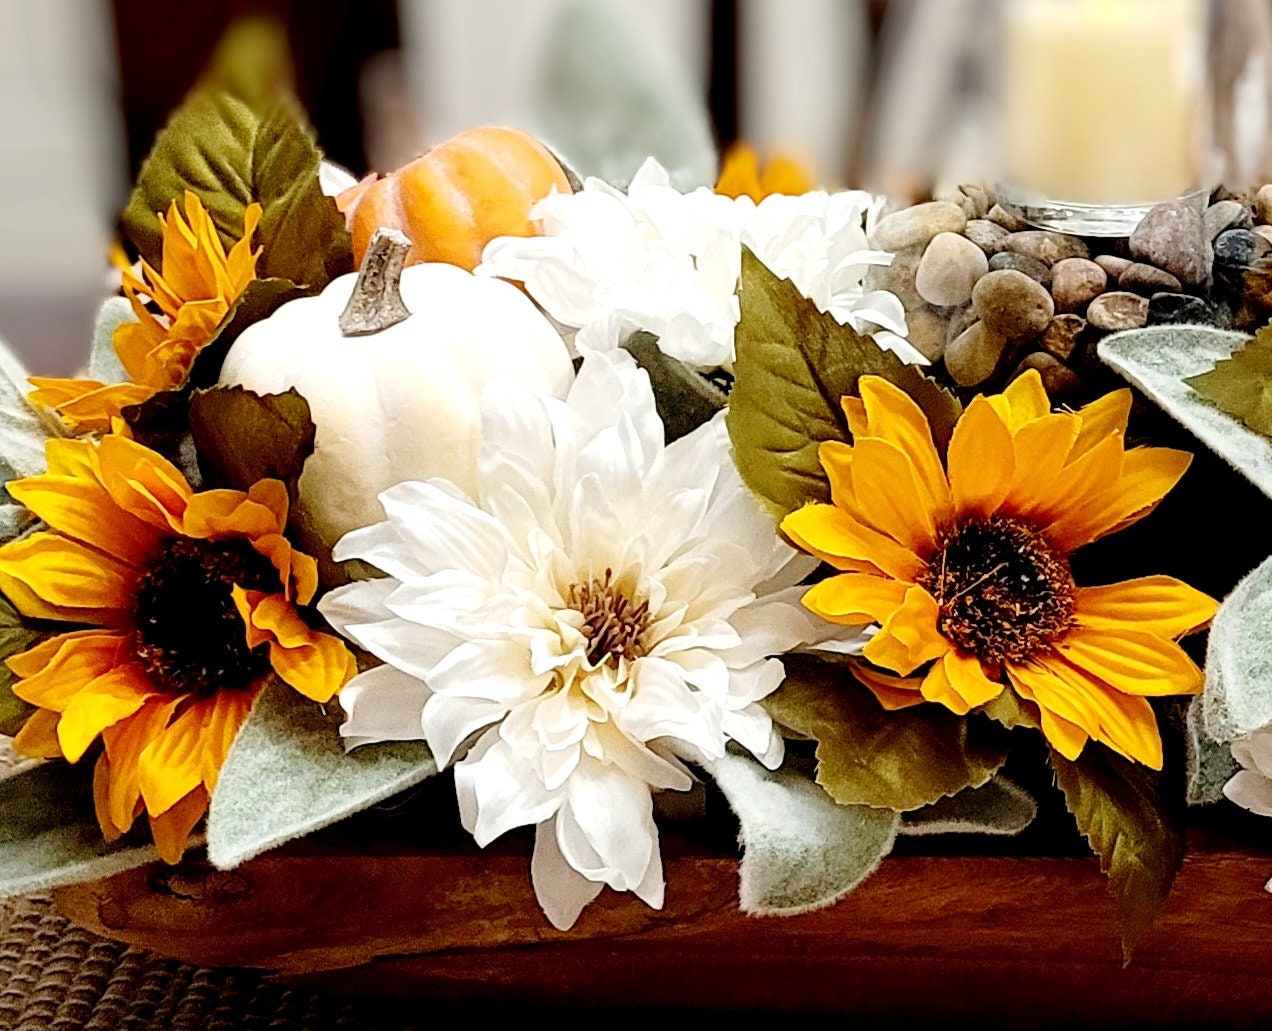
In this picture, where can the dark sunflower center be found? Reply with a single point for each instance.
(189, 635)
(1003, 592)
(613, 624)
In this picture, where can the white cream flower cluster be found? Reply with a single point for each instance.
(611, 263)
(599, 612)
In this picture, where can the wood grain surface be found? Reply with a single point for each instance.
(1002, 940)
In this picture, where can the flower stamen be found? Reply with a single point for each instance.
(189, 636)
(614, 625)
(1003, 591)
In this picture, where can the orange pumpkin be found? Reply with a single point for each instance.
(458, 197)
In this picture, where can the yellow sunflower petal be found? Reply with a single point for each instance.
(56, 670)
(891, 692)
(171, 830)
(1079, 485)
(855, 412)
(1147, 476)
(78, 506)
(48, 576)
(909, 637)
(981, 459)
(786, 176)
(125, 742)
(894, 417)
(831, 534)
(144, 483)
(1066, 737)
(38, 737)
(1158, 605)
(101, 800)
(1103, 418)
(189, 753)
(740, 173)
(936, 687)
(220, 513)
(315, 664)
(87, 404)
(836, 459)
(853, 599)
(101, 703)
(1024, 400)
(1132, 661)
(967, 677)
(888, 496)
(1041, 450)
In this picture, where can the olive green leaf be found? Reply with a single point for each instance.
(684, 398)
(243, 437)
(16, 635)
(259, 300)
(252, 61)
(1009, 710)
(162, 423)
(793, 365)
(867, 755)
(231, 154)
(1241, 385)
(1130, 816)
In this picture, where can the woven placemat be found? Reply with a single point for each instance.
(55, 976)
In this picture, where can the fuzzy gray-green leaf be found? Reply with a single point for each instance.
(793, 366)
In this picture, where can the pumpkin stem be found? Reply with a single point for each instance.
(376, 303)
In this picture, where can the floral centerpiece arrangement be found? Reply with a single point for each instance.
(587, 494)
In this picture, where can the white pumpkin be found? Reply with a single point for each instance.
(402, 403)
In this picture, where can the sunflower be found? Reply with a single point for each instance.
(741, 176)
(198, 285)
(964, 565)
(185, 602)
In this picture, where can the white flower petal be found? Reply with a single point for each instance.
(446, 723)
(606, 828)
(359, 602)
(562, 891)
(382, 704)
(1251, 791)
(497, 791)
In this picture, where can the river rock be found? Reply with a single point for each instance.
(1046, 246)
(1062, 336)
(1167, 309)
(989, 236)
(927, 332)
(1263, 231)
(1009, 220)
(959, 320)
(1241, 248)
(1031, 267)
(1118, 310)
(914, 227)
(981, 200)
(1113, 265)
(948, 270)
(1173, 237)
(898, 278)
(1147, 280)
(1225, 214)
(972, 355)
(1263, 203)
(1076, 282)
(1012, 307)
(1058, 379)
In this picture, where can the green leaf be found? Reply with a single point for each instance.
(103, 363)
(999, 808)
(15, 636)
(243, 437)
(1242, 384)
(230, 155)
(49, 836)
(684, 399)
(1011, 712)
(1125, 811)
(1238, 695)
(1160, 360)
(793, 365)
(1210, 762)
(800, 850)
(24, 429)
(259, 300)
(252, 61)
(605, 106)
(287, 774)
(867, 755)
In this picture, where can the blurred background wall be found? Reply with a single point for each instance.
(886, 94)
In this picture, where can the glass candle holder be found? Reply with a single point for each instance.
(1104, 110)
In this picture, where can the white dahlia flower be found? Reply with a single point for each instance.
(655, 259)
(603, 610)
